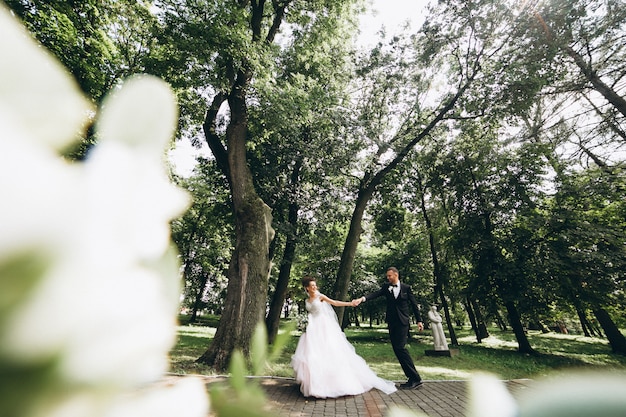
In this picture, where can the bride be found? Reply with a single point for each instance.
(325, 363)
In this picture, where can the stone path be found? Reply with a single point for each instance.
(434, 398)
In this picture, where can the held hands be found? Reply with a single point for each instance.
(356, 302)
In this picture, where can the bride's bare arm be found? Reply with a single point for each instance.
(335, 302)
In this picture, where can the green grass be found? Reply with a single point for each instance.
(496, 354)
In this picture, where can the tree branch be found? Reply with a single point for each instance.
(279, 14)
(212, 138)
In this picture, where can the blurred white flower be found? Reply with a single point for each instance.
(489, 397)
(89, 282)
(576, 394)
(181, 398)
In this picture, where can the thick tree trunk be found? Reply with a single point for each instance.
(248, 272)
(244, 306)
(522, 341)
(612, 332)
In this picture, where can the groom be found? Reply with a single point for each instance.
(399, 298)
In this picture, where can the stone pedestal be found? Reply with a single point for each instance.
(446, 353)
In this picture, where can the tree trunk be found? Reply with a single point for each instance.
(480, 320)
(446, 309)
(438, 275)
(187, 268)
(584, 323)
(198, 300)
(349, 250)
(356, 318)
(472, 319)
(615, 337)
(248, 272)
(244, 306)
(272, 321)
(500, 320)
(544, 329)
(518, 329)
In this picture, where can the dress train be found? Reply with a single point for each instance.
(326, 364)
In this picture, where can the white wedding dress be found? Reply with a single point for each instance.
(326, 364)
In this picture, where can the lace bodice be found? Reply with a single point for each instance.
(314, 307)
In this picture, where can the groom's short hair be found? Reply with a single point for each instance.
(394, 269)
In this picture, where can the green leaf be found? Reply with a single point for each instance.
(258, 349)
(18, 275)
(281, 340)
(238, 371)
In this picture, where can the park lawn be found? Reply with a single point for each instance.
(497, 354)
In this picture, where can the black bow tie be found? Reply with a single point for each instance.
(393, 285)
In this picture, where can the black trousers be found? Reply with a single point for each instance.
(398, 333)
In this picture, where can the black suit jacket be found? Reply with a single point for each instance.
(398, 309)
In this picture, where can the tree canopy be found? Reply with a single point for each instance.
(481, 153)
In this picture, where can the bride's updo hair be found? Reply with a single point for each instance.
(307, 280)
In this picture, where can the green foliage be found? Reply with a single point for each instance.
(241, 395)
(203, 237)
(521, 180)
(99, 42)
(587, 240)
(390, 223)
(20, 274)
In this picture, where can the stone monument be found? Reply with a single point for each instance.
(437, 327)
(441, 344)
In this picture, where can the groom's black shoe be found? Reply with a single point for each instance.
(411, 385)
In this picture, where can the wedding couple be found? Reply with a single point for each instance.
(326, 364)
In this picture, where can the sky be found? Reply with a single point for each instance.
(391, 14)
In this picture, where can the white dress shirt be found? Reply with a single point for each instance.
(395, 290)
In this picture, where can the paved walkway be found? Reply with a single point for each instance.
(434, 398)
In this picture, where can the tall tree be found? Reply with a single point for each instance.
(397, 115)
(298, 149)
(439, 270)
(587, 238)
(226, 49)
(250, 264)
